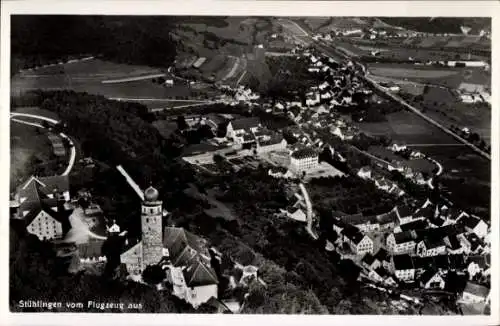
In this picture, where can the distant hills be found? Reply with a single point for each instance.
(440, 24)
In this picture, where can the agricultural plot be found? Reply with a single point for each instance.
(444, 106)
(401, 72)
(30, 152)
(88, 77)
(405, 127)
(315, 23)
(442, 76)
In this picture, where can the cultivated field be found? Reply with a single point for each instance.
(443, 105)
(449, 77)
(397, 72)
(405, 127)
(30, 153)
(88, 76)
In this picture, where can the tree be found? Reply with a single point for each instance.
(153, 274)
(181, 123)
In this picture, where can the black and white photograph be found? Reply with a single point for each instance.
(250, 164)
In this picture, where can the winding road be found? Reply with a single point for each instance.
(72, 153)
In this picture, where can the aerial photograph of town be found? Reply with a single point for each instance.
(250, 165)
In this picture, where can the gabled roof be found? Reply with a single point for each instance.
(368, 259)
(245, 123)
(428, 212)
(403, 262)
(198, 274)
(182, 245)
(403, 237)
(482, 261)
(454, 243)
(354, 219)
(428, 275)
(49, 184)
(414, 225)
(91, 249)
(474, 241)
(403, 211)
(387, 217)
(275, 139)
(470, 221)
(431, 243)
(476, 289)
(353, 234)
(61, 217)
(382, 255)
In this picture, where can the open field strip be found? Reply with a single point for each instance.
(410, 73)
(129, 79)
(293, 27)
(156, 100)
(234, 68)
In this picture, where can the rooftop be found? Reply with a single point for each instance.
(403, 211)
(353, 234)
(406, 236)
(245, 123)
(431, 243)
(304, 153)
(199, 274)
(476, 289)
(403, 262)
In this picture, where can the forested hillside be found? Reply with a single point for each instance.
(126, 39)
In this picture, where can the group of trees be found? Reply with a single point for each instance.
(133, 39)
(472, 137)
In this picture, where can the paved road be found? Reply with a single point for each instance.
(72, 153)
(156, 100)
(130, 79)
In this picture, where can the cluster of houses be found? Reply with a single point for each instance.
(413, 170)
(420, 247)
(381, 182)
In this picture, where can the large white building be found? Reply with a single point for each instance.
(304, 160)
(42, 203)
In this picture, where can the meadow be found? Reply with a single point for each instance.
(88, 76)
(450, 77)
(405, 127)
(30, 153)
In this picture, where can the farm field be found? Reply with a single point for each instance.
(87, 77)
(444, 106)
(405, 127)
(401, 72)
(30, 148)
(442, 76)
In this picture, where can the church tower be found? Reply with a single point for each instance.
(151, 222)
